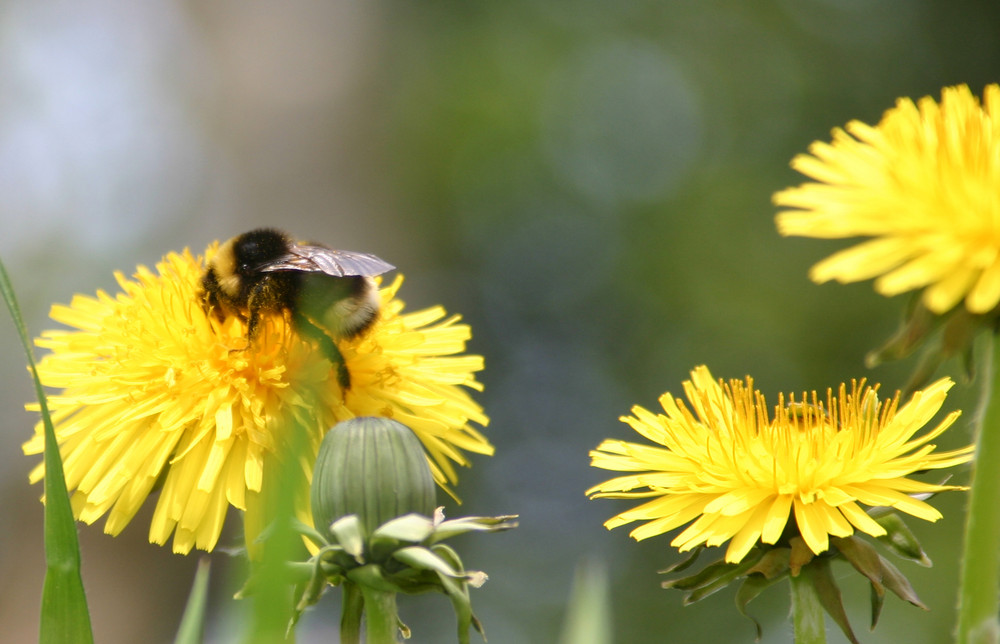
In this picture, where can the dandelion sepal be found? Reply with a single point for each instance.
(765, 566)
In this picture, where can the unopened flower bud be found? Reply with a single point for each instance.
(371, 467)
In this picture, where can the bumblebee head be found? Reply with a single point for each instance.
(253, 250)
(238, 261)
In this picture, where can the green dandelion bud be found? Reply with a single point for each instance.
(375, 468)
(377, 533)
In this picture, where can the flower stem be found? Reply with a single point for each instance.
(807, 612)
(352, 606)
(980, 587)
(381, 619)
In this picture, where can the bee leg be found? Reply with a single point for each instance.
(254, 316)
(253, 325)
(253, 319)
(327, 345)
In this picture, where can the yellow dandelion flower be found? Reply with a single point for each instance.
(922, 184)
(157, 393)
(736, 473)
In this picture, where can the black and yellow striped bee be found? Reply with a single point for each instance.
(328, 294)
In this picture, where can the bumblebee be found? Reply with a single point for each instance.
(328, 294)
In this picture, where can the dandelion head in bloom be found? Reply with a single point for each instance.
(922, 187)
(156, 394)
(737, 473)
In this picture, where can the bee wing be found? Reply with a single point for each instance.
(337, 263)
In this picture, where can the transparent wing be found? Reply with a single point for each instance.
(313, 258)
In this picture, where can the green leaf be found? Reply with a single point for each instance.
(713, 578)
(412, 528)
(868, 562)
(192, 625)
(371, 575)
(458, 592)
(901, 540)
(723, 581)
(899, 584)
(474, 578)
(312, 590)
(863, 557)
(309, 532)
(703, 577)
(800, 555)
(685, 563)
(774, 564)
(348, 534)
(918, 323)
(453, 527)
(930, 359)
(877, 599)
(818, 574)
(751, 587)
(450, 556)
(64, 615)
(423, 559)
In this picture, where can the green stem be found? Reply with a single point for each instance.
(272, 606)
(352, 606)
(381, 618)
(807, 612)
(979, 594)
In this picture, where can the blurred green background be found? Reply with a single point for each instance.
(588, 183)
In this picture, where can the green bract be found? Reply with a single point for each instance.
(374, 468)
(376, 532)
(767, 565)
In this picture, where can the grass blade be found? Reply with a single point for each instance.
(64, 616)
